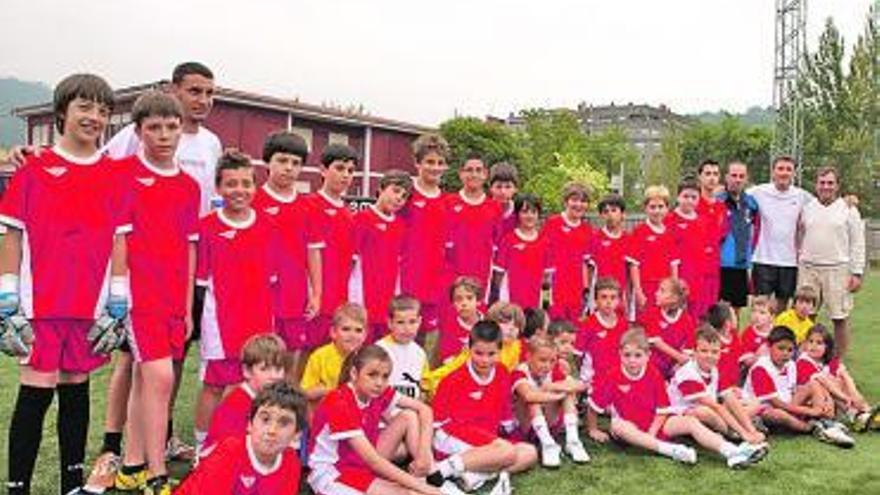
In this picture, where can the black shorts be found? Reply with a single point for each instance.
(734, 287)
(198, 306)
(778, 281)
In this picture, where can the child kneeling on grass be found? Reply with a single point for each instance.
(636, 396)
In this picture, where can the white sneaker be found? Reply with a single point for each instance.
(550, 456)
(830, 432)
(450, 488)
(502, 487)
(684, 454)
(575, 449)
(472, 481)
(746, 454)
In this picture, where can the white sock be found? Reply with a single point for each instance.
(571, 427)
(666, 448)
(539, 424)
(727, 449)
(200, 439)
(451, 466)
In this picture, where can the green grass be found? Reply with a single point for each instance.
(796, 465)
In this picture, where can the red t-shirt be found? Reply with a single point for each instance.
(165, 214)
(569, 251)
(728, 362)
(691, 237)
(70, 208)
(677, 331)
(464, 400)
(237, 262)
(714, 213)
(807, 368)
(472, 230)
(637, 399)
(232, 469)
(336, 221)
(524, 262)
(752, 342)
(298, 233)
(610, 254)
(599, 342)
(655, 252)
(378, 242)
(230, 419)
(423, 264)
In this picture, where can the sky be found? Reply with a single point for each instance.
(425, 61)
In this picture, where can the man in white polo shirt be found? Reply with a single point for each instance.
(832, 252)
(774, 269)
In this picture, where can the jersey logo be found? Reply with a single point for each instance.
(56, 171)
(476, 395)
(606, 243)
(519, 246)
(419, 204)
(229, 234)
(602, 334)
(248, 481)
(652, 238)
(566, 229)
(147, 181)
(381, 226)
(272, 210)
(624, 388)
(457, 208)
(330, 212)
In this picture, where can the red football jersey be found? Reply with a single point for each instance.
(454, 335)
(524, 262)
(378, 243)
(233, 468)
(508, 223)
(753, 343)
(464, 400)
(569, 251)
(598, 341)
(808, 367)
(637, 399)
(165, 214)
(691, 235)
(655, 251)
(424, 247)
(728, 363)
(70, 209)
(677, 330)
(297, 234)
(611, 254)
(714, 214)
(340, 416)
(472, 229)
(336, 221)
(236, 262)
(231, 417)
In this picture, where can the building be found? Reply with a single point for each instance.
(242, 120)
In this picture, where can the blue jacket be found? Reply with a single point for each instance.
(740, 230)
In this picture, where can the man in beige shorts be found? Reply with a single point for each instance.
(832, 252)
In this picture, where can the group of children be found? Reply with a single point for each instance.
(314, 319)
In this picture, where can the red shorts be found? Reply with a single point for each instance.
(153, 337)
(222, 372)
(294, 332)
(455, 439)
(319, 330)
(61, 345)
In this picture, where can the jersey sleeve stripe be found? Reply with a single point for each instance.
(12, 222)
(345, 435)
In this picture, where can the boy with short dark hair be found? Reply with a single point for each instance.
(409, 361)
(598, 338)
(503, 186)
(655, 255)
(610, 250)
(690, 232)
(238, 258)
(378, 245)
(569, 236)
(261, 461)
(298, 291)
(64, 212)
(331, 214)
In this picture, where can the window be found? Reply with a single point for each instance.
(338, 138)
(305, 133)
(41, 134)
(117, 122)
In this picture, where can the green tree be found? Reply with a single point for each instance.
(493, 141)
(611, 152)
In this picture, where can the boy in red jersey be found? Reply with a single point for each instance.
(238, 258)
(264, 361)
(298, 291)
(635, 394)
(424, 247)
(654, 251)
(473, 407)
(599, 335)
(336, 221)
(378, 245)
(474, 220)
(66, 220)
(570, 239)
(465, 295)
(669, 327)
(690, 230)
(713, 211)
(162, 258)
(260, 462)
(503, 186)
(610, 250)
(754, 337)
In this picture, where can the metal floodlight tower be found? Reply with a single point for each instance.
(790, 48)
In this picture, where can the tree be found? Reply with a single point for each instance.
(493, 141)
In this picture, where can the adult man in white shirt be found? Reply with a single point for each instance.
(832, 252)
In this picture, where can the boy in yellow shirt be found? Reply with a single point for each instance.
(347, 334)
(799, 318)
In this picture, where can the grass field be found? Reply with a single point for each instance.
(795, 465)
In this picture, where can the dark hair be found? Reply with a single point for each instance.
(155, 104)
(265, 348)
(718, 314)
(607, 283)
(282, 395)
(822, 330)
(430, 143)
(285, 142)
(338, 151)
(473, 155)
(189, 68)
(707, 333)
(469, 283)
(359, 358)
(403, 302)
(536, 318)
(396, 177)
(576, 189)
(610, 200)
(708, 163)
(558, 327)
(85, 86)
(503, 172)
(780, 333)
(521, 201)
(784, 158)
(485, 331)
(688, 182)
(231, 160)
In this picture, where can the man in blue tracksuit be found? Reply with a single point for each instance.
(741, 230)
